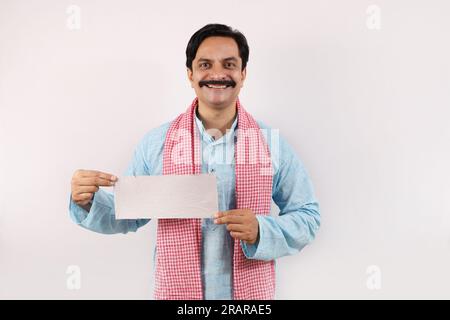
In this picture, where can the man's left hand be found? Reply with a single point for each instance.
(241, 223)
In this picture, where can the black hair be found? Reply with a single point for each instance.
(216, 30)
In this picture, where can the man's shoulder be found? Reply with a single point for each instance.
(158, 133)
(153, 141)
(262, 125)
(268, 133)
(280, 148)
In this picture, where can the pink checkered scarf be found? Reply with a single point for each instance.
(178, 245)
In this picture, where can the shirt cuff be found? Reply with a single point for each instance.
(103, 198)
(253, 251)
(77, 213)
(100, 200)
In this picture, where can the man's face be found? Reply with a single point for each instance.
(216, 74)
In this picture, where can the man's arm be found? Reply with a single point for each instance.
(101, 216)
(299, 217)
(98, 214)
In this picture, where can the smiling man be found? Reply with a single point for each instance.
(233, 255)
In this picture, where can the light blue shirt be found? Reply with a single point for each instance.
(285, 234)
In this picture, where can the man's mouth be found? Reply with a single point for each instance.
(217, 84)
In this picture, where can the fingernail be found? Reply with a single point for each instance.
(113, 178)
(216, 215)
(216, 221)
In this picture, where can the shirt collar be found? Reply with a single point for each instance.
(208, 138)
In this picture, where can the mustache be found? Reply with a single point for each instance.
(230, 83)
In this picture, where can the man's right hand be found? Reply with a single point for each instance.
(86, 182)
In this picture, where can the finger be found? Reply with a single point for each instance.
(234, 212)
(86, 189)
(99, 174)
(83, 196)
(239, 235)
(96, 181)
(107, 176)
(229, 219)
(82, 203)
(233, 227)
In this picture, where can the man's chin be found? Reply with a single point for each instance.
(218, 104)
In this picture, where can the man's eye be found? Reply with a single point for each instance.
(229, 65)
(204, 65)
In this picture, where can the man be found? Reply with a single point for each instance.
(231, 256)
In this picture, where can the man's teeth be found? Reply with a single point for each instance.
(216, 86)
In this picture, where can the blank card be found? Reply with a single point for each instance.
(166, 196)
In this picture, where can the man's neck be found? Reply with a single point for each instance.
(217, 119)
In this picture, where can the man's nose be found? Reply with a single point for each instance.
(218, 73)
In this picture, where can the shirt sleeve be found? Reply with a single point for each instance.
(298, 219)
(101, 217)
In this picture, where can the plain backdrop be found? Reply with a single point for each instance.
(360, 89)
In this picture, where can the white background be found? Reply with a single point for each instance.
(366, 109)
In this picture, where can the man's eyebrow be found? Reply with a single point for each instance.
(230, 59)
(226, 59)
(204, 59)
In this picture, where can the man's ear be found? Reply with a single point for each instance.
(190, 76)
(243, 75)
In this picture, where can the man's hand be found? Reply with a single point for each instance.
(241, 223)
(86, 182)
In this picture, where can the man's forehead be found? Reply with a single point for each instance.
(220, 48)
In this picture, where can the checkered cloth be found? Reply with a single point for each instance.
(178, 245)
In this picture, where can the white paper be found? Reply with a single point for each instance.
(166, 196)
